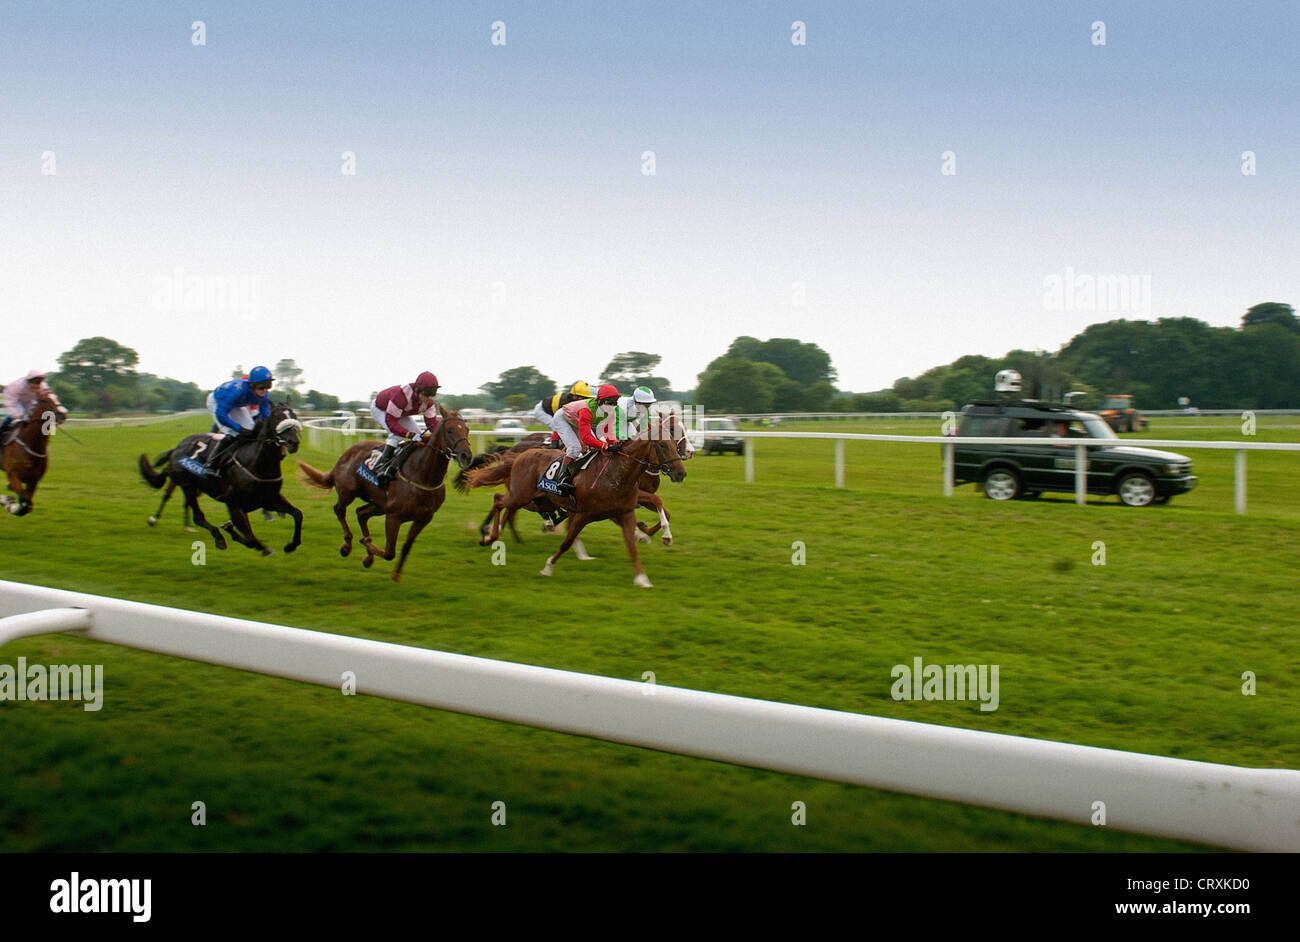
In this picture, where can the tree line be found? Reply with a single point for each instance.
(1161, 363)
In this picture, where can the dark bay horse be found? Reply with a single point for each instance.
(249, 477)
(26, 457)
(415, 494)
(608, 489)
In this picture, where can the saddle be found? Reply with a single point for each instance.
(547, 482)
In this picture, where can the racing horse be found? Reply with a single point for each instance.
(648, 497)
(608, 489)
(248, 477)
(26, 456)
(414, 495)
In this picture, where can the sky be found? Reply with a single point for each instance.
(911, 183)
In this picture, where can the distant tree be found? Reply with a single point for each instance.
(322, 402)
(288, 376)
(1271, 312)
(733, 384)
(805, 363)
(102, 371)
(524, 381)
(629, 370)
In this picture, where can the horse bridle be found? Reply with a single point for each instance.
(277, 441)
(658, 466)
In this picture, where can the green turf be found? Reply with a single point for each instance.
(1145, 653)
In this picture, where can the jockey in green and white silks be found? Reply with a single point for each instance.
(629, 415)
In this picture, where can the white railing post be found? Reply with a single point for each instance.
(1081, 474)
(749, 461)
(839, 462)
(948, 473)
(1239, 482)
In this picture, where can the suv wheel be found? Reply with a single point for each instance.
(1002, 484)
(1135, 489)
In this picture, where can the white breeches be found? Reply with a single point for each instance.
(407, 422)
(568, 434)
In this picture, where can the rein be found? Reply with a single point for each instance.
(448, 452)
(17, 440)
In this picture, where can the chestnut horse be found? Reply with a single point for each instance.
(249, 478)
(26, 458)
(607, 489)
(415, 494)
(648, 497)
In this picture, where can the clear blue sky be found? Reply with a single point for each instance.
(499, 215)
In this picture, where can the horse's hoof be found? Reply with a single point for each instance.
(368, 561)
(641, 537)
(345, 549)
(191, 529)
(153, 521)
(397, 577)
(642, 580)
(290, 547)
(668, 541)
(546, 570)
(267, 551)
(221, 544)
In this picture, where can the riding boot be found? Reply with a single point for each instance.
(564, 480)
(386, 469)
(216, 450)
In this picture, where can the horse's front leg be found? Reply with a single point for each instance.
(364, 513)
(412, 533)
(282, 506)
(167, 493)
(627, 520)
(192, 502)
(241, 531)
(576, 523)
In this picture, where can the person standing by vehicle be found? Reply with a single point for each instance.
(395, 409)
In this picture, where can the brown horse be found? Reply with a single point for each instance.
(26, 457)
(648, 497)
(415, 494)
(607, 489)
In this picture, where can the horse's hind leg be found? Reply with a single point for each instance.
(341, 511)
(192, 502)
(171, 486)
(412, 533)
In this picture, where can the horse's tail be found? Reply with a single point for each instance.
(309, 475)
(493, 472)
(461, 483)
(155, 479)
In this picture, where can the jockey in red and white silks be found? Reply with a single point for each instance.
(577, 422)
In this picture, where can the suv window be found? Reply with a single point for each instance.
(984, 426)
(1036, 427)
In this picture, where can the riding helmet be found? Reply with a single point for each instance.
(260, 374)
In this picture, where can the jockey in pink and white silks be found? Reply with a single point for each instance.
(395, 410)
(21, 397)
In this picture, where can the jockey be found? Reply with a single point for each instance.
(631, 410)
(21, 397)
(576, 423)
(395, 409)
(544, 411)
(230, 405)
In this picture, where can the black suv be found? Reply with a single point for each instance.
(1138, 476)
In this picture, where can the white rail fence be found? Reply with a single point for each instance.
(327, 433)
(1219, 805)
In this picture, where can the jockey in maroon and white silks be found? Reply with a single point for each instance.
(395, 410)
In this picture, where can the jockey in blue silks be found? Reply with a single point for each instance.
(230, 406)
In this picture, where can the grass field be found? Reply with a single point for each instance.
(1144, 653)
